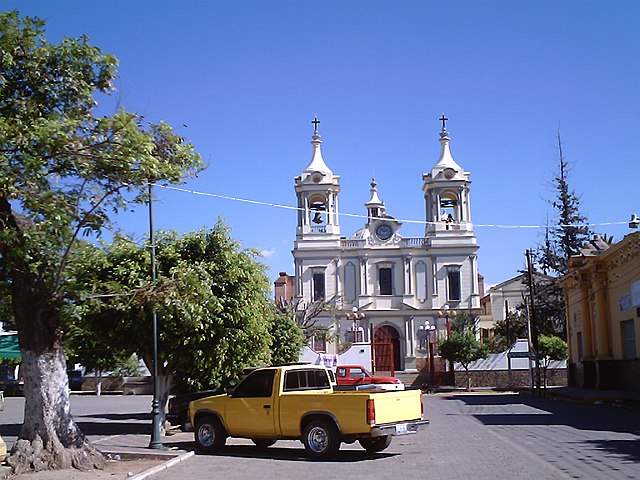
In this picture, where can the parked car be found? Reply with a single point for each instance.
(356, 375)
(9, 384)
(177, 411)
(75, 380)
(299, 403)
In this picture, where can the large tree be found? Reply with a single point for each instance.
(64, 170)
(211, 299)
(564, 236)
(570, 231)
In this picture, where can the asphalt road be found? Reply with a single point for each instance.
(481, 436)
(478, 436)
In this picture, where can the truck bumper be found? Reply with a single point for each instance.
(402, 428)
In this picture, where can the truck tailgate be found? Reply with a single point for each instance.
(401, 406)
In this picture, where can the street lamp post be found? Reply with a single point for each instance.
(430, 331)
(356, 315)
(446, 313)
(155, 442)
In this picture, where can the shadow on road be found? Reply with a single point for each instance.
(118, 416)
(280, 453)
(90, 428)
(552, 412)
(628, 450)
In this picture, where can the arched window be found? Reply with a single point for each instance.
(350, 282)
(449, 207)
(319, 209)
(421, 281)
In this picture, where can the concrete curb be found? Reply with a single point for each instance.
(163, 466)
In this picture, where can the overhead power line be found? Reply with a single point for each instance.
(358, 215)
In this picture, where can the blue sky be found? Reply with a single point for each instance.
(246, 78)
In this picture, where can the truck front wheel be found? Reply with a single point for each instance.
(209, 433)
(375, 444)
(321, 439)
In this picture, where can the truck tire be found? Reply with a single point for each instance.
(263, 442)
(209, 433)
(321, 439)
(375, 444)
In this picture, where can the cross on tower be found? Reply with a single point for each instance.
(443, 119)
(315, 122)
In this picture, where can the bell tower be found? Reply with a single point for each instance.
(317, 190)
(446, 194)
(453, 245)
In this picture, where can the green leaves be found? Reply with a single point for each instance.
(287, 338)
(211, 299)
(464, 348)
(63, 169)
(551, 347)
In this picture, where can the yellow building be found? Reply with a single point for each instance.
(602, 291)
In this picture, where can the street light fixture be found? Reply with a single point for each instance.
(355, 315)
(634, 222)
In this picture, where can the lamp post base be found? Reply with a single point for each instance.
(156, 442)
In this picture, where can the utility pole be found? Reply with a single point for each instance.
(155, 442)
(533, 320)
(526, 307)
(510, 346)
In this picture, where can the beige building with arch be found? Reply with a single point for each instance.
(602, 292)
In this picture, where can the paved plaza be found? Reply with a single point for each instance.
(481, 436)
(474, 436)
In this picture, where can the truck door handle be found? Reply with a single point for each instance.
(266, 406)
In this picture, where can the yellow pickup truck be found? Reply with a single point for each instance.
(298, 402)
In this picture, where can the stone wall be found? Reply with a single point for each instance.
(143, 385)
(500, 378)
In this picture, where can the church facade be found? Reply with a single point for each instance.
(399, 293)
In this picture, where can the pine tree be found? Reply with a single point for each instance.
(562, 240)
(571, 231)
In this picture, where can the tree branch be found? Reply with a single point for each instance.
(81, 223)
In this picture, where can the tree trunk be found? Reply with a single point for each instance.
(165, 384)
(509, 372)
(98, 382)
(468, 379)
(49, 438)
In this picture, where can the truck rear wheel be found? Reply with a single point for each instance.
(209, 433)
(375, 444)
(263, 442)
(321, 439)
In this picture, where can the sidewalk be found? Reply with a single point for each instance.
(119, 426)
(135, 445)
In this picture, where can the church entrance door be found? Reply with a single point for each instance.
(386, 347)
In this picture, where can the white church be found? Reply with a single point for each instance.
(404, 291)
